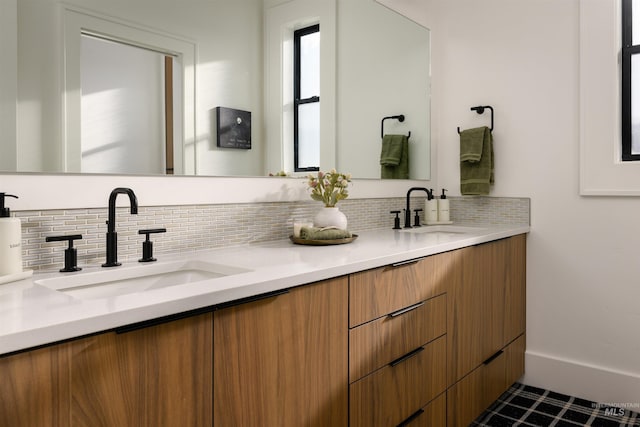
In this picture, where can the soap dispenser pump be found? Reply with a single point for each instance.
(443, 208)
(10, 240)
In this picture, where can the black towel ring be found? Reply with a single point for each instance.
(480, 110)
(399, 118)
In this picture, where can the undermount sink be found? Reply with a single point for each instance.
(444, 229)
(140, 278)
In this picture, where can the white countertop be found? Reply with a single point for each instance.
(33, 315)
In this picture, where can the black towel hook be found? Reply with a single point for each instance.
(399, 117)
(480, 109)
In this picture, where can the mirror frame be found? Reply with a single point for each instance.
(74, 191)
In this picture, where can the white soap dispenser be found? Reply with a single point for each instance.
(10, 240)
(443, 208)
(431, 208)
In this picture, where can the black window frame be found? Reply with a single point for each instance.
(628, 50)
(297, 101)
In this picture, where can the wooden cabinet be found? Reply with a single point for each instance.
(397, 342)
(486, 310)
(485, 327)
(282, 361)
(155, 376)
(428, 342)
(483, 288)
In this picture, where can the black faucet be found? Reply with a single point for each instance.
(112, 236)
(407, 212)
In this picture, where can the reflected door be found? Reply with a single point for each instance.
(127, 108)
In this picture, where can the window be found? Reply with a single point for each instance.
(306, 92)
(630, 81)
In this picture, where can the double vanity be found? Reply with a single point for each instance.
(421, 326)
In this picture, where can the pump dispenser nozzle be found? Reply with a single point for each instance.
(10, 241)
(5, 212)
(443, 208)
(430, 194)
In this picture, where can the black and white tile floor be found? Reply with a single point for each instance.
(523, 405)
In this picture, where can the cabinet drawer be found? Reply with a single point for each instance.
(392, 394)
(378, 292)
(383, 340)
(470, 396)
(432, 415)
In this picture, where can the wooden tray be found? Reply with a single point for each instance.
(299, 241)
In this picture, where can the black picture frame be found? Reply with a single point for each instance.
(233, 128)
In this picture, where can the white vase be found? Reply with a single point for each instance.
(330, 217)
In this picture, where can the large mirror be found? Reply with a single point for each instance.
(204, 68)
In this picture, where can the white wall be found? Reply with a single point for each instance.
(583, 273)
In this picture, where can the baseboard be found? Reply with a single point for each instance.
(582, 380)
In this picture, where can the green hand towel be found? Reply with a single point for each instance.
(471, 143)
(394, 157)
(476, 176)
(391, 152)
(327, 233)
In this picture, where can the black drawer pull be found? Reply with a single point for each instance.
(492, 358)
(407, 262)
(411, 418)
(161, 320)
(406, 309)
(409, 355)
(254, 298)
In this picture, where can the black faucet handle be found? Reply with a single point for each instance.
(147, 245)
(396, 220)
(70, 254)
(152, 231)
(416, 219)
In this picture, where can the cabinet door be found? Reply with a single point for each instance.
(468, 316)
(486, 309)
(156, 376)
(33, 386)
(282, 361)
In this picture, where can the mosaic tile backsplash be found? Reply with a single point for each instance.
(197, 227)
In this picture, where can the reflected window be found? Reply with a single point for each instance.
(630, 81)
(306, 119)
